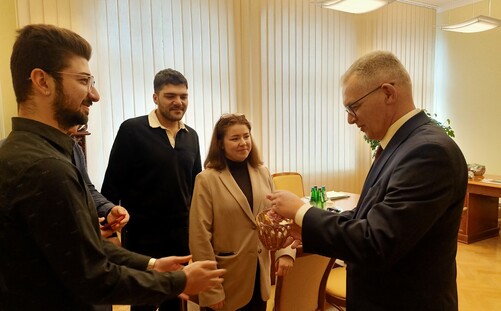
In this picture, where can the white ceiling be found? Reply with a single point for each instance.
(442, 5)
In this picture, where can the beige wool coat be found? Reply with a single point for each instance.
(223, 228)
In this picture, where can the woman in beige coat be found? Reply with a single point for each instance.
(228, 195)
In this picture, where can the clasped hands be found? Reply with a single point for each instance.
(286, 204)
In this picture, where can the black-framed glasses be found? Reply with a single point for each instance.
(350, 109)
(91, 82)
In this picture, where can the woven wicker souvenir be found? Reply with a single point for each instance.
(273, 230)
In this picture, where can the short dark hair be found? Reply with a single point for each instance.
(215, 158)
(46, 47)
(168, 76)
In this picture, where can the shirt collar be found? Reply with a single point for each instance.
(396, 125)
(155, 123)
(49, 133)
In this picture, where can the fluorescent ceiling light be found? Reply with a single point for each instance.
(477, 24)
(354, 6)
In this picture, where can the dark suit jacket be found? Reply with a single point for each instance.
(400, 241)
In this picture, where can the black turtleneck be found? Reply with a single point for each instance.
(240, 173)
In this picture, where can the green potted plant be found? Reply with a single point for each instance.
(446, 127)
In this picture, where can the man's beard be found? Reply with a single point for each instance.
(167, 115)
(64, 115)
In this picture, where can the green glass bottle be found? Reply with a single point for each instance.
(314, 196)
(323, 197)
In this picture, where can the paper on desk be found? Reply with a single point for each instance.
(492, 181)
(334, 195)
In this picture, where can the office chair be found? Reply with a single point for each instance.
(291, 181)
(335, 290)
(303, 288)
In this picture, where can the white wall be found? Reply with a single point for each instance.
(8, 107)
(468, 85)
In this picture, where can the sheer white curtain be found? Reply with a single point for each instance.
(277, 61)
(133, 40)
(304, 51)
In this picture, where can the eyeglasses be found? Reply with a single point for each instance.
(87, 80)
(351, 110)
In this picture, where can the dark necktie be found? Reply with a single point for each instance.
(379, 150)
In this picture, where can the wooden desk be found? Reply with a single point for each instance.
(480, 215)
(347, 203)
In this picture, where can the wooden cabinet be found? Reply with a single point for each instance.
(481, 212)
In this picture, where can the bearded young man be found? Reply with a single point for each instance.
(151, 171)
(52, 255)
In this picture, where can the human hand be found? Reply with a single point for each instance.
(115, 213)
(201, 275)
(283, 265)
(171, 263)
(217, 306)
(295, 238)
(285, 203)
(105, 233)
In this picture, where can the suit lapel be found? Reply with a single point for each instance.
(235, 191)
(400, 136)
(257, 190)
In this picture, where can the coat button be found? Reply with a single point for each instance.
(259, 251)
(254, 227)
